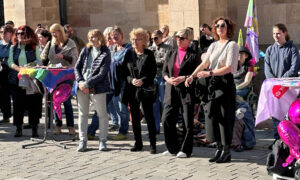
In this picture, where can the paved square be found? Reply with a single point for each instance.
(47, 161)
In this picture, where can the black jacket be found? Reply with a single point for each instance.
(146, 72)
(189, 64)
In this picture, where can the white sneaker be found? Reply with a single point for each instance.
(167, 153)
(181, 155)
(102, 146)
(82, 146)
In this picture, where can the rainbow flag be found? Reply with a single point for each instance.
(49, 77)
(251, 24)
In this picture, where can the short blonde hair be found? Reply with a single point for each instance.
(142, 33)
(97, 33)
(59, 28)
(186, 33)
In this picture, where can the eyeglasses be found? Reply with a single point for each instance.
(154, 39)
(135, 40)
(220, 25)
(180, 38)
(20, 33)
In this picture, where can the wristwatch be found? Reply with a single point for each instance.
(211, 73)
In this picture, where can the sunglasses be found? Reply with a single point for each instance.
(154, 39)
(181, 38)
(21, 33)
(220, 25)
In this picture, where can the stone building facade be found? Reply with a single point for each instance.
(152, 14)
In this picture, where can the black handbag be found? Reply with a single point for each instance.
(147, 93)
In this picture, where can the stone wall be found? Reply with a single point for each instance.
(184, 14)
(152, 14)
(32, 12)
(84, 14)
(269, 12)
(15, 10)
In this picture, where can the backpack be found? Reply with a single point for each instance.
(277, 157)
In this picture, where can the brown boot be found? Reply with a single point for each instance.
(72, 131)
(57, 130)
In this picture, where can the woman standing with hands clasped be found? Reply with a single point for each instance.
(180, 63)
(91, 72)
(139, 67)
(221, 61)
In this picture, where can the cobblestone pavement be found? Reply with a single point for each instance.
(47, 161)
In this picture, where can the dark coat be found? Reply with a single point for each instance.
(146, 72)
(98, 81)
(189, 64)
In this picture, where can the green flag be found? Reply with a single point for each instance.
(240, 40)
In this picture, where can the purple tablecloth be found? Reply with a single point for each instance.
(269, 105)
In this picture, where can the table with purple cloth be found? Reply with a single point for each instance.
(276, 96)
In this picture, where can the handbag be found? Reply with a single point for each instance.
(206, 86)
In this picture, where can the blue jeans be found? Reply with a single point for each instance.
(119, 111)
(159, 101)
(111, 110)
(68, 112)
(243, 92)
(275, 125)
(94, 126)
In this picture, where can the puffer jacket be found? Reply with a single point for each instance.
(98, 81)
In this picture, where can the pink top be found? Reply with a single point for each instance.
(176, 67)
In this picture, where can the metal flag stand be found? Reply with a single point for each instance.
(48, 120)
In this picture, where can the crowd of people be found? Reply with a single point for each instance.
(168, 80)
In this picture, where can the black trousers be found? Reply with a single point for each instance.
(136, 120)
(5, 102)
(170, 119)
(220, 115)
(22, 102)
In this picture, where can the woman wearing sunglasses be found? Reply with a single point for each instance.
(180, 63)
(219, 64)
(25, 51)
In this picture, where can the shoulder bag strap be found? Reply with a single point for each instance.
(215, 62)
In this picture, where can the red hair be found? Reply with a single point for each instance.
(30, 37)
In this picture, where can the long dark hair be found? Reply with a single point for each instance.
(283, 28)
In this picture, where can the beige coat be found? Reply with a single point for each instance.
(68, 49)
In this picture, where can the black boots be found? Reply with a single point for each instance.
(217, 153)
(225, 156)
(137, 147)
(18, 131)
(35, 132)
(222, 154)
(152, 149)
